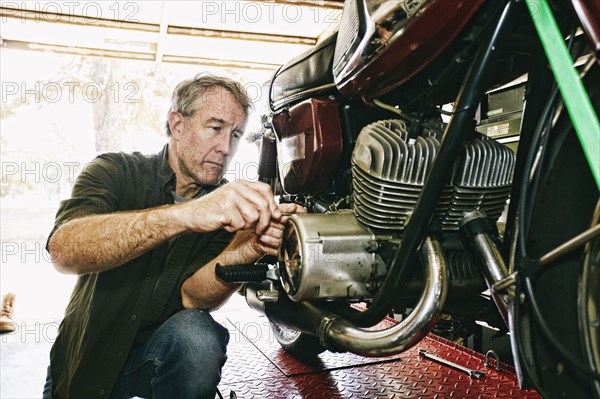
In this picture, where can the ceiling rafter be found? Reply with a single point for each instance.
(331, 4)
(227, 34)
(84, 51)
(88, 51)
(29, 15)
(77, 20)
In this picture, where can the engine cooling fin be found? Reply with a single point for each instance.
(482, 181)
(389, 171)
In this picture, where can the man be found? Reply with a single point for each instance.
(144, 234)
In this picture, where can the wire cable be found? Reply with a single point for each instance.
(393, 109)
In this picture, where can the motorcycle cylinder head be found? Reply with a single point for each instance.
(389, 170)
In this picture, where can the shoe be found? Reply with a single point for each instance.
(7, 323)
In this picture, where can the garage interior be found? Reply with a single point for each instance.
(84, 78)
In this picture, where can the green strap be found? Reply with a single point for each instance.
(574, 95)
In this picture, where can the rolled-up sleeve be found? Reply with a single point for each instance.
(96, 190)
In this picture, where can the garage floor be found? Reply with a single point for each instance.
(258, 368)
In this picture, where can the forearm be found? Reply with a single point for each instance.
(102, 242)
(204, 290)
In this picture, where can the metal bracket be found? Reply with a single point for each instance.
(493, 354)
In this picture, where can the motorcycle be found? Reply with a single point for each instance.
(442, 150)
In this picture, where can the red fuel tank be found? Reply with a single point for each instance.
(386, 43)
(309, 145)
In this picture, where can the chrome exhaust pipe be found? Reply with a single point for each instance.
(477, 231)
(407, 333)
(340, 334)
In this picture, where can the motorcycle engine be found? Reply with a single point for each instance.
(334, 255)
(389, 170)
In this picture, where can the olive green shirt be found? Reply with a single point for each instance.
(111, 312)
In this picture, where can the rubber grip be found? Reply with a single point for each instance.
(242, 273)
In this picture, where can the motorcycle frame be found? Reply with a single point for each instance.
(472, 90)
(308, 318)
(474, 86)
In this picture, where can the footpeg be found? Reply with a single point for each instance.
(242, 273)
(247, 273)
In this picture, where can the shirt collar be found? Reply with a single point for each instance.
(165, 174)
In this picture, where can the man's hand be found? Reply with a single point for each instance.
(235, 206)
(247, 246)
(206, 291)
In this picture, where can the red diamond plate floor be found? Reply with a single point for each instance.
(258, 368)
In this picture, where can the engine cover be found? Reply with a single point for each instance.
(325, 256)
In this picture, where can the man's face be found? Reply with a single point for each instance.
(207, 139)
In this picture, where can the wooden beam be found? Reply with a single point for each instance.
(166, 58)
(248, 36)
(329, 4)
(76, 20)
(178, 59)
(83, 51)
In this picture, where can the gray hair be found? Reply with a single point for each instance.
(189, 91)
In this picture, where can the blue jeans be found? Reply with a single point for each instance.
(182, 359)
